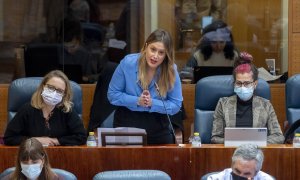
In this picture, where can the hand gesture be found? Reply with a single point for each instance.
(47, 141)
(145, 99)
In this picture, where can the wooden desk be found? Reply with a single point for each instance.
(179, 162)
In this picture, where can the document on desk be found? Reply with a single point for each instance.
(126, 139)
(264, 74)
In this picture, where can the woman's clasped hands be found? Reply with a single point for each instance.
(145, 99)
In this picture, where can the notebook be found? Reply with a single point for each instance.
(237, 136)
(204, 71)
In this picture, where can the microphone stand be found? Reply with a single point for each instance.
(170, 123)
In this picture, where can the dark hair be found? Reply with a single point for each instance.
(71, 29)
(205, 43)
(244, 64)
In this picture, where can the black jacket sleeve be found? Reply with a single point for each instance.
(76, 134)
(101, 107)
(14, 133)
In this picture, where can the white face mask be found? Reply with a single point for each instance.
(31, 171)
(51, 98)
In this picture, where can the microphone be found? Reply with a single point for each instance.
(168, 116)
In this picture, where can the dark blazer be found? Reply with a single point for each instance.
(101, 107)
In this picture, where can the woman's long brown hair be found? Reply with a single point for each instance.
(32, 149)
(166, 78)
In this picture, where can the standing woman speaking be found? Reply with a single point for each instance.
(135, 84)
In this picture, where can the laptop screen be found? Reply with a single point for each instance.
(238, 136)
(204, 71)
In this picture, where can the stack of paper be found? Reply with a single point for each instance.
(264, 74)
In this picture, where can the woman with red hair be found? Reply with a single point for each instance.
(245, 109)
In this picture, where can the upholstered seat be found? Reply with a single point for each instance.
(205, 176)
(62, 173)
(207, 94)
(292, 98)
(132, 175)
(21, 90)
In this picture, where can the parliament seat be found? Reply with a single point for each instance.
(93, 34)
(207, 94)
(205, 176)
(21, 90)
(66, 175)
(292, 99)
(132, 175)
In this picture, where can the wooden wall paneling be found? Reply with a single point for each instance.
(236, 14)
(211, 162)
(294, 37)
(166, 16)
(294, 54)
(173, 161)
(88, 91)
(188, 93)
(142, 22)
(278, 102)
(295, 16)
(251, 28)
(3, 107)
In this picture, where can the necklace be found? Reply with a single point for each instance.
(47, 120)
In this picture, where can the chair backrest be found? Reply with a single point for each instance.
(207, 94)
(108, 122)
(93, 33)
(292, 99)
(132, 175)
(205, 176)
(21, 90)
(62, 173)
(65, 174)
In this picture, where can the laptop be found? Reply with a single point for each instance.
(204, 71)
(237, 136)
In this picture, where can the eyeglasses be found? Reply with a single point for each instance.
(52, 88)
(245, 83)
